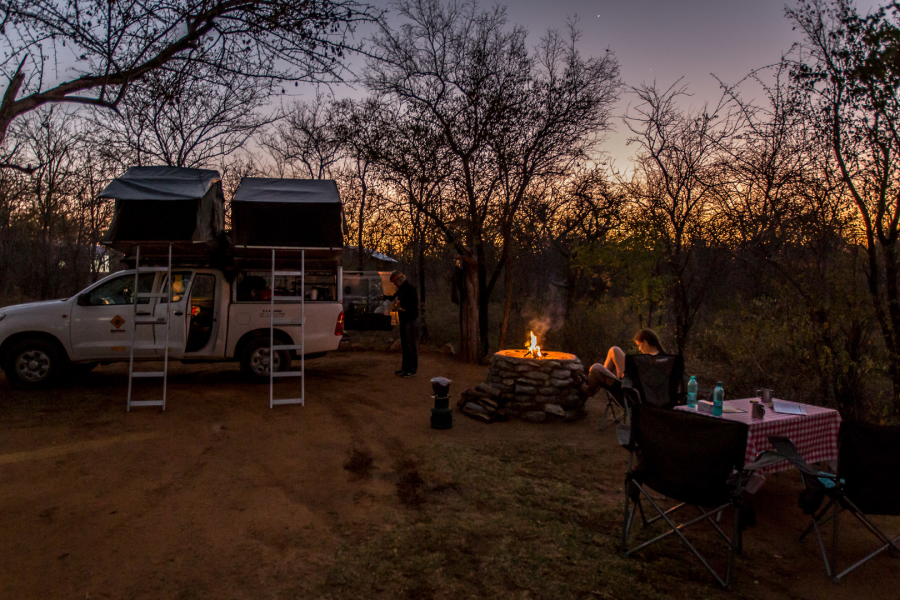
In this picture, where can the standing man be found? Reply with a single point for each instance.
(409, 323)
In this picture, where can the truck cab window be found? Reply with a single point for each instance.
(121, 291)
(181, 280)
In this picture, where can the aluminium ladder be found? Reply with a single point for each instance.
(273, 347)
(144, 319)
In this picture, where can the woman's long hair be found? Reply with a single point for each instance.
(649, 336)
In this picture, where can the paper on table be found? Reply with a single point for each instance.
(788, 408)
(731, 409)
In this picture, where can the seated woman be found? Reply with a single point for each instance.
(609, 375)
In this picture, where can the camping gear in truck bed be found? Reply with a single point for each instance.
(156, 206)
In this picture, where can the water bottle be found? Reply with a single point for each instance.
(718, 398)
(692, 392)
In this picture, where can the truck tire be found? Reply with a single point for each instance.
(33, 363)
(255, 360)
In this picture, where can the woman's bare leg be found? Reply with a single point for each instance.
(598, 377)
(615, 361)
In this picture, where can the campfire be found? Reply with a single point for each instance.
(531, 384)
(533, 352)
(533, 349)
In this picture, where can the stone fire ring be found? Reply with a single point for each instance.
(534, 388)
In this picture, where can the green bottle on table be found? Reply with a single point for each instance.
(718, 399)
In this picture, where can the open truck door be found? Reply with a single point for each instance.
(176, 303)
(192, 322)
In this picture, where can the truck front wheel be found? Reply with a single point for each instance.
(34, 363)
(255, 360)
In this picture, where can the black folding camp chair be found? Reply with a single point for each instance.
(694, 460)
(658, 378)
(653, 379)
(867, 483)
(614, 404)
(618, 398)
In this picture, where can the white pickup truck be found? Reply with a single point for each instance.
(211, 319)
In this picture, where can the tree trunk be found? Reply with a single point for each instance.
(9, 97)
(469, 303)
(483, 297)
(507, 304)
(423, 322)
(893, 318)
(360, 253)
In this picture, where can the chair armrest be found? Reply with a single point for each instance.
(788, 450)
(764, 459)
(829, 480)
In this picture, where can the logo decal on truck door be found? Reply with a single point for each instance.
(117, 321)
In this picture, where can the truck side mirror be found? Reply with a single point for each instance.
(84, 299)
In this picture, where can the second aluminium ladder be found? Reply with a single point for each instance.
(273, 347)
(149, 319)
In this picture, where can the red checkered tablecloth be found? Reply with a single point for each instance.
(815, 434)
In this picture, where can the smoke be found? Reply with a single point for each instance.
(550, 319)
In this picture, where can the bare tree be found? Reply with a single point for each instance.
(359, 132)
(847, 69)
(304, 142)
(575, 214)
(410, 159)
(88, 218)
(767, 163)
(184, 118)
(372, 220)
(790, 226)
(673, 189)
(56, 150)
(504, 115)
(91, 51)
(13, 198)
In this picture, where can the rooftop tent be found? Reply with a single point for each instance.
(159, 205)
(289, 215)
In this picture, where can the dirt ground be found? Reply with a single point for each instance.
(221, 497)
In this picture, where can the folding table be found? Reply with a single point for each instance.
(815, 434)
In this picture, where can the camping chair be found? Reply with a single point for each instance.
(692, 459)
(654, 379)
(618, 398)
(867, 483)
(658, 378)
(630, 399)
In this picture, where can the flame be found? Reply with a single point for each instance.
(533, 349)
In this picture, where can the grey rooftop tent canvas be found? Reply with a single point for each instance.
(166, 204)
(287, 214)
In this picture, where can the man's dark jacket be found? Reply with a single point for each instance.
(409, 302)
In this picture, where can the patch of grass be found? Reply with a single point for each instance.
(507, 520)
(359, 461)
(409, 488)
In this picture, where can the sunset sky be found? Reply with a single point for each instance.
(664, 40)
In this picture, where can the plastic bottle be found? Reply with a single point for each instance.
(718, 399)
(692, 392)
